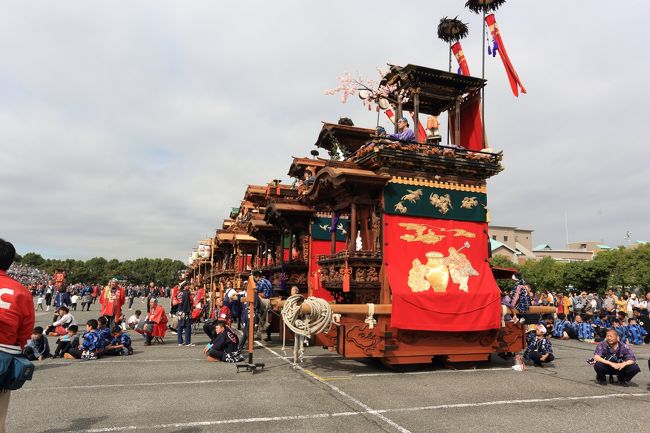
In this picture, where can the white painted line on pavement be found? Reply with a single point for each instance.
(122, 385)
(351, 413)
(504, 402)
(476, 370)
(367, 408)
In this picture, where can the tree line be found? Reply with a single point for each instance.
(98, 270)
(621, 268)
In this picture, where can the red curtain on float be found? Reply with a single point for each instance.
(318, 248)
(471, 126)
(439, 275)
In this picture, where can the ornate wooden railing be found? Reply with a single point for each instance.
(363, 268)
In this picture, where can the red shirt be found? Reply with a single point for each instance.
(16, 314)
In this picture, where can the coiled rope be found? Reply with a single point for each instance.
(319, 320)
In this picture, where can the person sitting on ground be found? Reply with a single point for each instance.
(403, 131)
(120, 344)
(92, 345)
(223, 315)
(559, 327)
(601, 325)
(583, 330)
(134, 319)
(621, 330)
(60, 326)
(539, 349)
(636, 334)
(614, 358)
(102, 328)
(65, 342)
(37, 347)
(224, 346)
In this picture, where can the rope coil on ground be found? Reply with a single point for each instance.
(319, 320)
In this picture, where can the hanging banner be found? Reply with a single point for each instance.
(321, 229)
(439, 275)
(515, 82)
(457, 49)
(318, 248)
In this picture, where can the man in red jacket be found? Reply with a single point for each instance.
(16, 316)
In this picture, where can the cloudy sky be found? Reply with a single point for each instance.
(129, 128)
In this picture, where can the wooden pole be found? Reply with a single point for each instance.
(333, 234)
(352, 245)
(250, 296)
(416, 113)
(483, 77)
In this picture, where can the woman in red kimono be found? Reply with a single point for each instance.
(111, 300)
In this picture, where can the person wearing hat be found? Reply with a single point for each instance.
(539, 348)
(403, 131)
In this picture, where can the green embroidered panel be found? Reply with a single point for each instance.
(320, 229)
(424, 201)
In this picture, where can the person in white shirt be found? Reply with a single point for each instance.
(632, 303)
(73, 300)
(134, 320)
(60, 326)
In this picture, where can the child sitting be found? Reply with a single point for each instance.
(37, 348)
(635, 332)
(134, 320)
(92, 345)
(65, 342)
(621, 330)
(539, 348)
(120, 344)
(103, 330)
(601, 324)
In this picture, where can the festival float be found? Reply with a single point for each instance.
(389, 237)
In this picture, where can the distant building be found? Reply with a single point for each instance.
(511, 242)
(565, 255)
(516, 244)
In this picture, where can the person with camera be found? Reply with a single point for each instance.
(16, 319)
(614, 358)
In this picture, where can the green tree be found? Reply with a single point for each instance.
(545, 274)
(33, 259)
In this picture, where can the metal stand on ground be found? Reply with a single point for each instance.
(250, 298)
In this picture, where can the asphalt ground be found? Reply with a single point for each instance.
(166, 388)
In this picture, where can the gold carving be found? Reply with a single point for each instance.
(412, 196)
(441, 202)
(427, 235)
(469, 202)
(399, 207)
(436, 272)
(460, 268)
